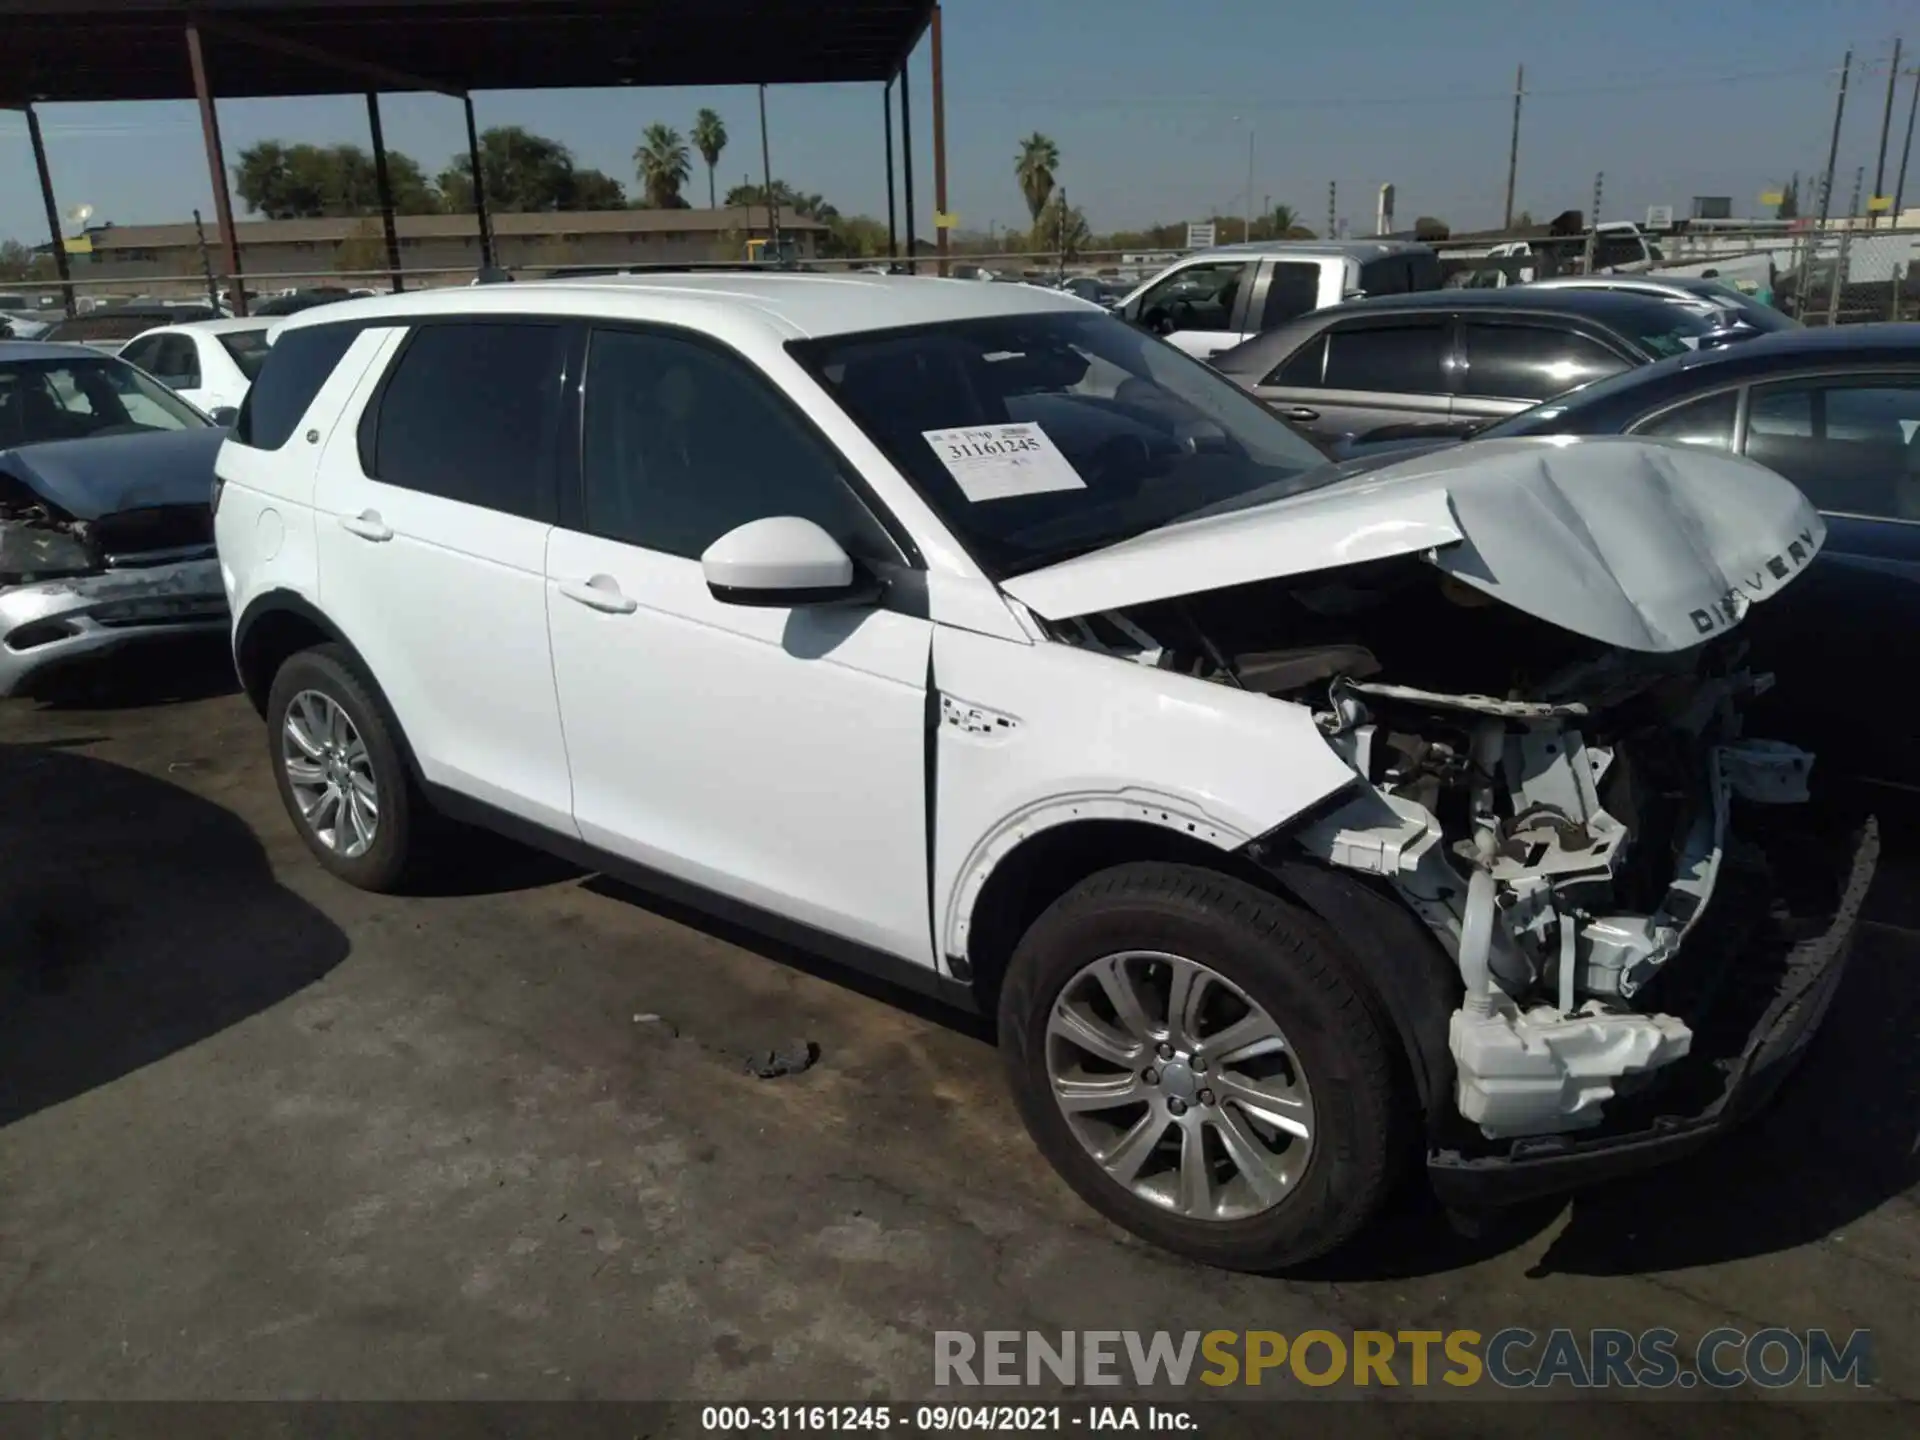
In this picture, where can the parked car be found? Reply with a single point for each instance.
(275, 306)
(106, 531)
(1441, 364)
(1838, 413)
(1096, 289)
(975, 637)
(111, 326)
(1214, 299)
(210, 362)
(1708, 293)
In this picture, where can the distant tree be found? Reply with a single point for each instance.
(1524, 220)
(662, 162)
(790, 201)
(1062, 227)
(1283, 219)
(524, 173)
(1034, 168)
(286, 182)
(596, 190)
(852, 236)
(17, 261)
(709, 138)
(1789, 207)
(1428, 228)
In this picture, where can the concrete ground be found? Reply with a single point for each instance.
(262, 1135)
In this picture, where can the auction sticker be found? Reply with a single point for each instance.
(998, 462)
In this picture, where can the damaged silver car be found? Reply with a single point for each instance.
(106, 526)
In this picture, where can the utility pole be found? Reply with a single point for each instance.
(1886, 126)
(1248, 233)
(1906, 150)
(1332, 191)
(1840, 260)
(1593, 222)
(1833, 146)
(766, 169)
(1513, 146)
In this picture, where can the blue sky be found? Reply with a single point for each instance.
(1151, 102)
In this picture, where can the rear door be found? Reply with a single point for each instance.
(1364, 374)
(431, 524)
(1511, 365)
(1287, 290)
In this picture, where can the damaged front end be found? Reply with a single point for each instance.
(1581, 823)
(78, 584)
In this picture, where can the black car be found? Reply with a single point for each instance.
(1836, 411)
(1443, 363)
(111, 326)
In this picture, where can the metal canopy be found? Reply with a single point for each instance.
(99, 50)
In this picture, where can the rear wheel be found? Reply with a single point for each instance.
(1199, 1061)
(340, 769)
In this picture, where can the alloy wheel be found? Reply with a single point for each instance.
(330, 774)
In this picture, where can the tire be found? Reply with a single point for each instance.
(330, 672)
(1335, 1044)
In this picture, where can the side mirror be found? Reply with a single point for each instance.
(225, 416)
(783, 561)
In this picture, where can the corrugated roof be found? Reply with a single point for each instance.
(333, 229)
(136, 50)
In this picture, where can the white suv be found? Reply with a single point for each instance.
(1293, 823)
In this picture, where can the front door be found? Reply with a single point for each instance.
(1200, 307)
(773, 755)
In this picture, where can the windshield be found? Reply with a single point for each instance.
(1038, 437)
(248, 349)
(75, 399)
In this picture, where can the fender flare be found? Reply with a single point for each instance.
(1139, 806)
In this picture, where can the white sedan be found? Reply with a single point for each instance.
(208, 362)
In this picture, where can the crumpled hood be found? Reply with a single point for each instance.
(87, 479)
(1635, 543)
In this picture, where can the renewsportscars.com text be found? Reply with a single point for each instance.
(1512, 1358)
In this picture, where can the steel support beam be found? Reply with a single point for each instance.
(53, 209)
(479, 188)
(939, 144)
(906, 165)
(886, 109)
(385, 183)
(383, 76)
(217, 170)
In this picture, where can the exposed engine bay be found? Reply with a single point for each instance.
(1554, 809)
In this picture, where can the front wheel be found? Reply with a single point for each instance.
(1202, 1064)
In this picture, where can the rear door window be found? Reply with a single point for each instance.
(1293, 290)
(1707, 422)
(1398, 359)
(297, 366)
(1852, 445)
(470, 412)
(1532, 362)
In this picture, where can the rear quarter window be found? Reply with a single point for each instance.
(296, 366)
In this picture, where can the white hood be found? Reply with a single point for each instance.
(1634, 543)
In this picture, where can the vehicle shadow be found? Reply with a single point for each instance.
(161, 672)
(136, 919)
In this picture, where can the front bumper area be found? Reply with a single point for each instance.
(52, 622)
(1730, 1082)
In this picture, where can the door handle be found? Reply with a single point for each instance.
(367, 525)
(601, 593)
(1297, 412)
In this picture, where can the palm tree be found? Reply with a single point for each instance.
(663, 166)
(709, 138)
(1033, 167)
(1284, 218)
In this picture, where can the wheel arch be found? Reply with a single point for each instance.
(278, 625)
(1409, 977)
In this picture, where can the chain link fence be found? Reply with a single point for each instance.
(1847, 274)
